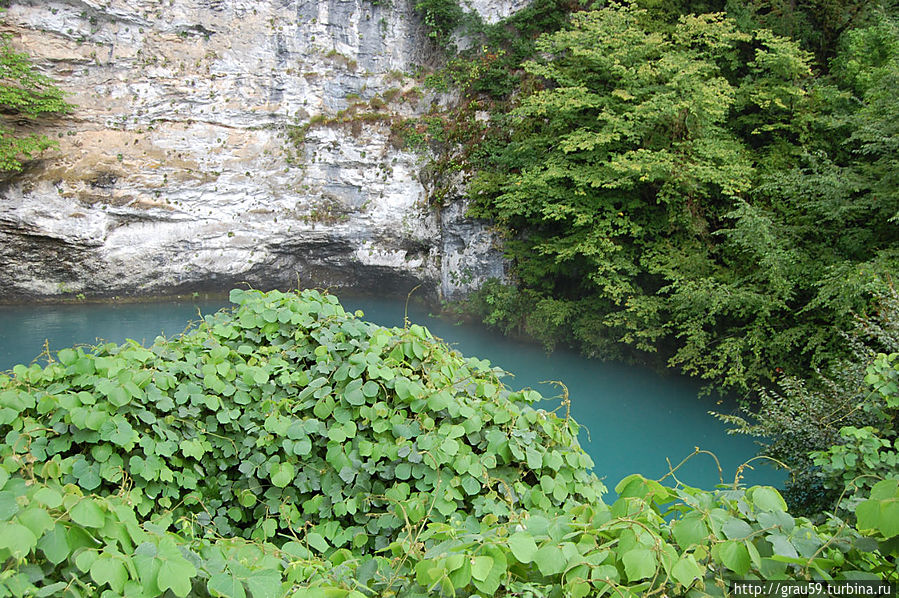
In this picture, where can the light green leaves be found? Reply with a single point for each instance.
(110, 569)
(55, 545)
(282, 474)
(450, 447)
(879, 515)
(549, 559)
(523, 547)
(323, 408)
(36, 519)
(690, 530)
(225, 585)
(736, 529)
(354, 396)
(734, 555)
(175, 574)
(370, 389)
(686, 570)
(16, 538)
(766, 498)
(8, 505)
(317, 541)
(534, 458)
(265, 583)
(24, 90)
(481, 567)
(116, 394)
(393, 462)
(48, 497)
(119, 431)
(639, 563)
(88, 513)
(439, 400)
(192, 448)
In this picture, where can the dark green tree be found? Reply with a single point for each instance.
(836, 432)
(817, 24)
(625, 190)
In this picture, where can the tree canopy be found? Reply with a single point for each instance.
(695, 187)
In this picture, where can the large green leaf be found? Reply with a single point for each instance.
(736, 529)
(685, 571)
(690, 530)
(54, 544)
(639, 563)
(766, 498)
(550, 559)
(880, 514)
(481, 567)
(111, 570)
(225, 585)
(265, 584)
(175, 574)
(9, 506)
(88, 513)
(317, 541)
(282, 474)
(17, 538)
(523, 547)
(734, 556)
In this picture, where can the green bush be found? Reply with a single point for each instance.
(288, 448)
(290, 414)
(836, 432)
(441, 17)
(25, 95)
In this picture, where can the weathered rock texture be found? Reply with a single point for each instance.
(186, 164)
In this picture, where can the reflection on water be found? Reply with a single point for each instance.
(632, 417)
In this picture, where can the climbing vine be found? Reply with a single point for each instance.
(288, 448)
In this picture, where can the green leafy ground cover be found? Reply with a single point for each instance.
(287, 448)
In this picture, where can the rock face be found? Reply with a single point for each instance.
(224, 141)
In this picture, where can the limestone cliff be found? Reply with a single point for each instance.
(225, 141)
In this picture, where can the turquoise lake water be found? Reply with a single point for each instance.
(633, 417)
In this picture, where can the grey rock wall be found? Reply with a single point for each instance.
(185, 166)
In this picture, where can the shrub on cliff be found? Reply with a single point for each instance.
(25, 95)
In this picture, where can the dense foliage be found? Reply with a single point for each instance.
(25, 96)
(686, 183)
(720, 187)
(837, 433)
(712, 183)
(297, 411)
(288, 448)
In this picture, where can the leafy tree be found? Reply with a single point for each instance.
(26, 96)
(836, 432)
(621, 172)
(817, 24)
(692, 187)
(703, 187)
